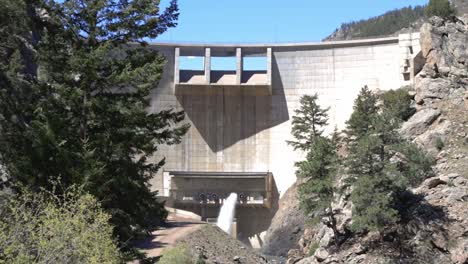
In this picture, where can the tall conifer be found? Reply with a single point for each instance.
(85, 116)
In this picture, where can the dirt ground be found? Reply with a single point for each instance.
(175, 228)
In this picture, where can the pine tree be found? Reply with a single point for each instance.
(84, 115)
(308, 122)
(398, 103)
(318, 170)
(441, 8)
(364, 109)
(378, 182)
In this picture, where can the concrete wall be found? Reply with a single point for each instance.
(244, 128)
(238, 131)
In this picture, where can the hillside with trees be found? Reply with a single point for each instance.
(407, 19)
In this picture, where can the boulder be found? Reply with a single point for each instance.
(308, 260)
(433, 182)
(321, 254)
(434, 138)
(419, 122)
(428, 88)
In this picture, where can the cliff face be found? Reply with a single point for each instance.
(436, 226)
(286, 226)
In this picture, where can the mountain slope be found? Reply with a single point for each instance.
(383, 25)
(391, 23)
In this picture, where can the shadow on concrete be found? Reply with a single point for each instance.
(225, 115)
(253, 221)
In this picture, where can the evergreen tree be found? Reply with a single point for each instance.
(308, 122)
(364, 109)
(83, 116)
(378, 182)
(398, 103)
(441, 8)
(318, 170)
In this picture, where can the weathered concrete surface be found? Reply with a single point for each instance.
(244, 128)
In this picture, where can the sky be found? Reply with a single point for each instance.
(271, 21)
(265, 21)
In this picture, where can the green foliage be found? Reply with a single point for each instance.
(46, 228)
(312, 248)
(318, 170)
(440, 8)
(373, 203)
(380, 162)
(382, 25)
(307, 122)
(77, 78)
(416, 165)
(364, 110)
(179, 254)
(398, 103)
(439, 144)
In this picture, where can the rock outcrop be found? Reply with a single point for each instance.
(436, 224)
(286, 227)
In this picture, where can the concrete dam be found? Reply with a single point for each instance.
(241, 117)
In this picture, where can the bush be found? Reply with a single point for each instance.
(439, 144)
(179, 254)
(440, 8)
(417, 166)
(398, 103)
(312, 248)
(46, 228)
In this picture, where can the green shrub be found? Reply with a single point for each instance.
(439, 144)
(312, 248)
(440, 8)
(179, 254)
(46, 228)
(418, 165)
(398, 103)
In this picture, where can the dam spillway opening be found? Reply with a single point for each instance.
(204, 193)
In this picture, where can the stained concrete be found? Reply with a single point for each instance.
(244, 128)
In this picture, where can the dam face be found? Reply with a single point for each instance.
(241, 119)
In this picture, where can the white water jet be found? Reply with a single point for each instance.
(226, 214)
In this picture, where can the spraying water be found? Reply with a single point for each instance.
(226, 214)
